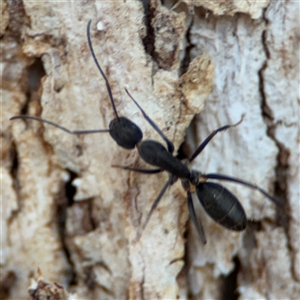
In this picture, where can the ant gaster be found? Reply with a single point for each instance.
(220, 204)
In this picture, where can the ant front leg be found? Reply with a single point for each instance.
(209, 138)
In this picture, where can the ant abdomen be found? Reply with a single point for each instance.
(125, 133)
(222, 206)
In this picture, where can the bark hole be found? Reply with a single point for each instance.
(64, 200)
(148, 40)
(7, 283)
(70, 189)
(35, 72)
(14, 167)
(185, 62)
(230, 283)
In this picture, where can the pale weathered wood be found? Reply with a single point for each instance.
(256, 73)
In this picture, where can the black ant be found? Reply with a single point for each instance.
(218, 202)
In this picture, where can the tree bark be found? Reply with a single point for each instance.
(69, 214)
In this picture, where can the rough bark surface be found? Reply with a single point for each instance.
(69, 218)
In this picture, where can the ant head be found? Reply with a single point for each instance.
(125, 133)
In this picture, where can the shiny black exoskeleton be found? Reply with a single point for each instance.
(219, 203)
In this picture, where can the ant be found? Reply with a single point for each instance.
(220, 204)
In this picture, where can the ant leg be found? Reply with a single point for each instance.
(197, 224)
(153, 207)
(209, 138)
(248, 184)
(58, 126)
(168, 142)
(145, 171)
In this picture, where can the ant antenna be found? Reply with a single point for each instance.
(58, 126)
(88, 29)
